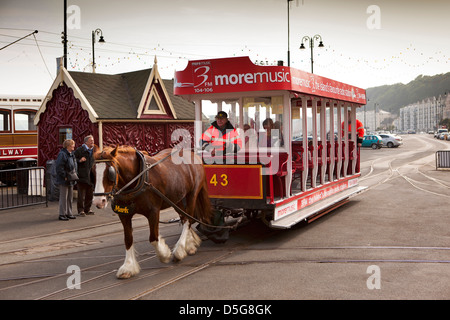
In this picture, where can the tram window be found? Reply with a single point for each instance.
(64, 133)
(4, 120)
(265, 116)
(23, 121)
(210, 109)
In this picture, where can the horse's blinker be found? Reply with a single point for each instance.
(112, 174)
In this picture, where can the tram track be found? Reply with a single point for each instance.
(69, 259)
(245, 248)
(64, 240)
(193, 263)
(406, 171)
(226, 260)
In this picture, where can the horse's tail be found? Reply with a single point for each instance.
(203, 210)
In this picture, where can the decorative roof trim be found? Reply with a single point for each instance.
(154, 95)
(64, 77)
(150, 91)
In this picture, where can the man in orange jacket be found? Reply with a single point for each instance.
(221, 135)
(359, 129)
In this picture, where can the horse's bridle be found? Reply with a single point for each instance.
(141, 181)
(112, 176)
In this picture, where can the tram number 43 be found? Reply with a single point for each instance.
(219, 179)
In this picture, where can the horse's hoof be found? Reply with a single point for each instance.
(165, 259)
(191, 251)
(125, 275)
(179, 255)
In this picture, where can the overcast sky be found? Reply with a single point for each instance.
(367, 43)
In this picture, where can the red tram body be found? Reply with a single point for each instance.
(283, 183)
(18, 134)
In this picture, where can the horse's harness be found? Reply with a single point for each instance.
(141, 181)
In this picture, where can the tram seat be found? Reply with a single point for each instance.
(328, 155)
(336, 157)
(283, 159)
(279, 186)
(297, 161)
(319, 160)
(279, 178)
(351, 148)
(350, 157)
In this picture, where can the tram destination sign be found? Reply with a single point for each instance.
(16, 153)
(241, 75)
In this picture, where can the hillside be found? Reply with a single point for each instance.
(393, 97)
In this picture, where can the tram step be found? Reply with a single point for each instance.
(303, 214)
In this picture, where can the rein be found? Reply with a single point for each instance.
(114, 193)
(182, 212)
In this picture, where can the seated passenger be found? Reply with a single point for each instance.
(270, 138)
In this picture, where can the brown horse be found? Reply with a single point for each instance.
(184, 184)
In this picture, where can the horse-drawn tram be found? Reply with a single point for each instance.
(281, 145)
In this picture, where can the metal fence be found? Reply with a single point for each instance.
(442, 159)
(22, 187)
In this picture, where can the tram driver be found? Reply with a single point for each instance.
(221, 137)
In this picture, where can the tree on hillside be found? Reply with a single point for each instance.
(445, 122)
(393, 97)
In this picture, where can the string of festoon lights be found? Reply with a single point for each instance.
(80, 57)
(409, 62)
(409, 56)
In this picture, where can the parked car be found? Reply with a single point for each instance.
(439, 132)
(372, 141)
(391, 141)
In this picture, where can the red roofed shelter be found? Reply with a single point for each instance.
(135, 108)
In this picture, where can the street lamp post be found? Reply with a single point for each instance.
(101, 40)
(64, 36)
(311, 45)
(289, 49)
(375, 115)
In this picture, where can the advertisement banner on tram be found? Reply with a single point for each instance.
(312, 197)
(240, 74)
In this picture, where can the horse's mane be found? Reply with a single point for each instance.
(123, 149)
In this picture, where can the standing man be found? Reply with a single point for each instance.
(359, 136)
(85, 161)
(359, 129)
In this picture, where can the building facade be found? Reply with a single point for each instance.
(425, 115)
(372, 120)
(135, 108)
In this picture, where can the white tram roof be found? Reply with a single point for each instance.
(239, 74)
(13, 102)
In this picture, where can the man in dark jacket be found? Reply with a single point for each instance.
(85, 185)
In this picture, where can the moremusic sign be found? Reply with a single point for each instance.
(241, 75)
